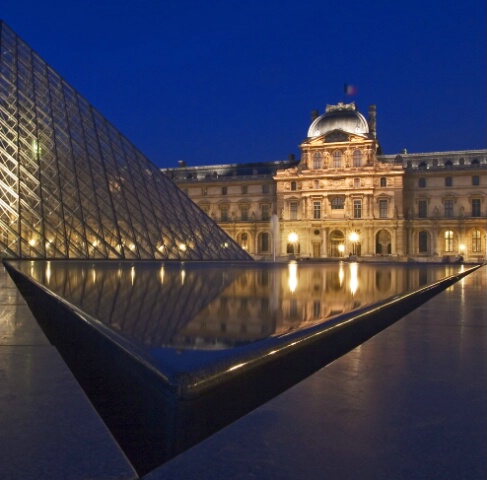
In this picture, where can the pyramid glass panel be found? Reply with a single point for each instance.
(72, 186)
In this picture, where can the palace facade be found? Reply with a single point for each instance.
(343, 197)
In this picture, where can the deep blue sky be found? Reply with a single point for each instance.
(220, 81)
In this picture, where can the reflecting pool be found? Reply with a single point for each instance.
(169, 353)
(220, 306)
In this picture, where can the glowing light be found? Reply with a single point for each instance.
(94, 243)
(132, 275)
(341, 248)
(182, 247)
(353, 237)
(292, 237)
(462, 247)
(32, 242)
(353, 278)
(293, 276)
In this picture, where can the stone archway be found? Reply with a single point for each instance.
(336, 243)
(383, 243)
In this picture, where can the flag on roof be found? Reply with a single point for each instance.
(350, 89)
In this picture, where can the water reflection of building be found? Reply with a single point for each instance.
(187, 306)
(344, 197)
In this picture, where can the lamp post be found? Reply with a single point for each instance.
(354, 239)
(293, 240)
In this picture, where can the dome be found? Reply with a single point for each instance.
(339, 117)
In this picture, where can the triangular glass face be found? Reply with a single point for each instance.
(72, 186)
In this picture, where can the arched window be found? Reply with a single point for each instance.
(383, 182)
(476, 245)
(435, 162)
(317, 161)
(448, 241)
(293, 186)
(475, 161)
(448, 164)
(244, 241)
(422, 165)
(357, 158)
(337, 159)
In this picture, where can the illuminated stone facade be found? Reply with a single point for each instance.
(344, 198)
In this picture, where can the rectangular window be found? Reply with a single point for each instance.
(475, 180)
(422, 209)
(383, 205)
(245, 189)
(204, 191)
(264, 242)
(244, 213)
(476, 207)
(224, 213)
(293, 210)
(449, 241)
(422, 182)
(316, 210)
(337, 203)
(476, 247)
(448, 181)
(265, 188)
(266, 212)
(224, 190)
(449, 208)
(357, 209)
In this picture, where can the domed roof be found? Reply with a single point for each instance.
(339, 117)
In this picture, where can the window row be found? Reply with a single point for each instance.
(244, 189)
(242, 213)
(448, 242)
(337, 160)
(338, 203)
(449, 181)
(448, 208)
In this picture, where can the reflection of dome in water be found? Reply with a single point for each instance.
(339, 117)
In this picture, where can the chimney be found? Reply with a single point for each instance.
(372, 121)
(181, 163)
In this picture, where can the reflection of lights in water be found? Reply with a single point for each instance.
(183, 276)
(161, 274)
(48, 272)
(132, 275)
(353, 277)
(293, 276)
(93, 274)
(341, 274)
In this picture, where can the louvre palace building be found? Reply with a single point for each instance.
(344, 198)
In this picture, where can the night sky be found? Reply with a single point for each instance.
(235, 81)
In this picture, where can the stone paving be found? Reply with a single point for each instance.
(49, 430)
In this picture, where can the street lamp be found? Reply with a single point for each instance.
(354, 239)
(292, 238)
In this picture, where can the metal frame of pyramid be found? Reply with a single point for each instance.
(72, 186)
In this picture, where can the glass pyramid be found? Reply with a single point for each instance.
(72, 186)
